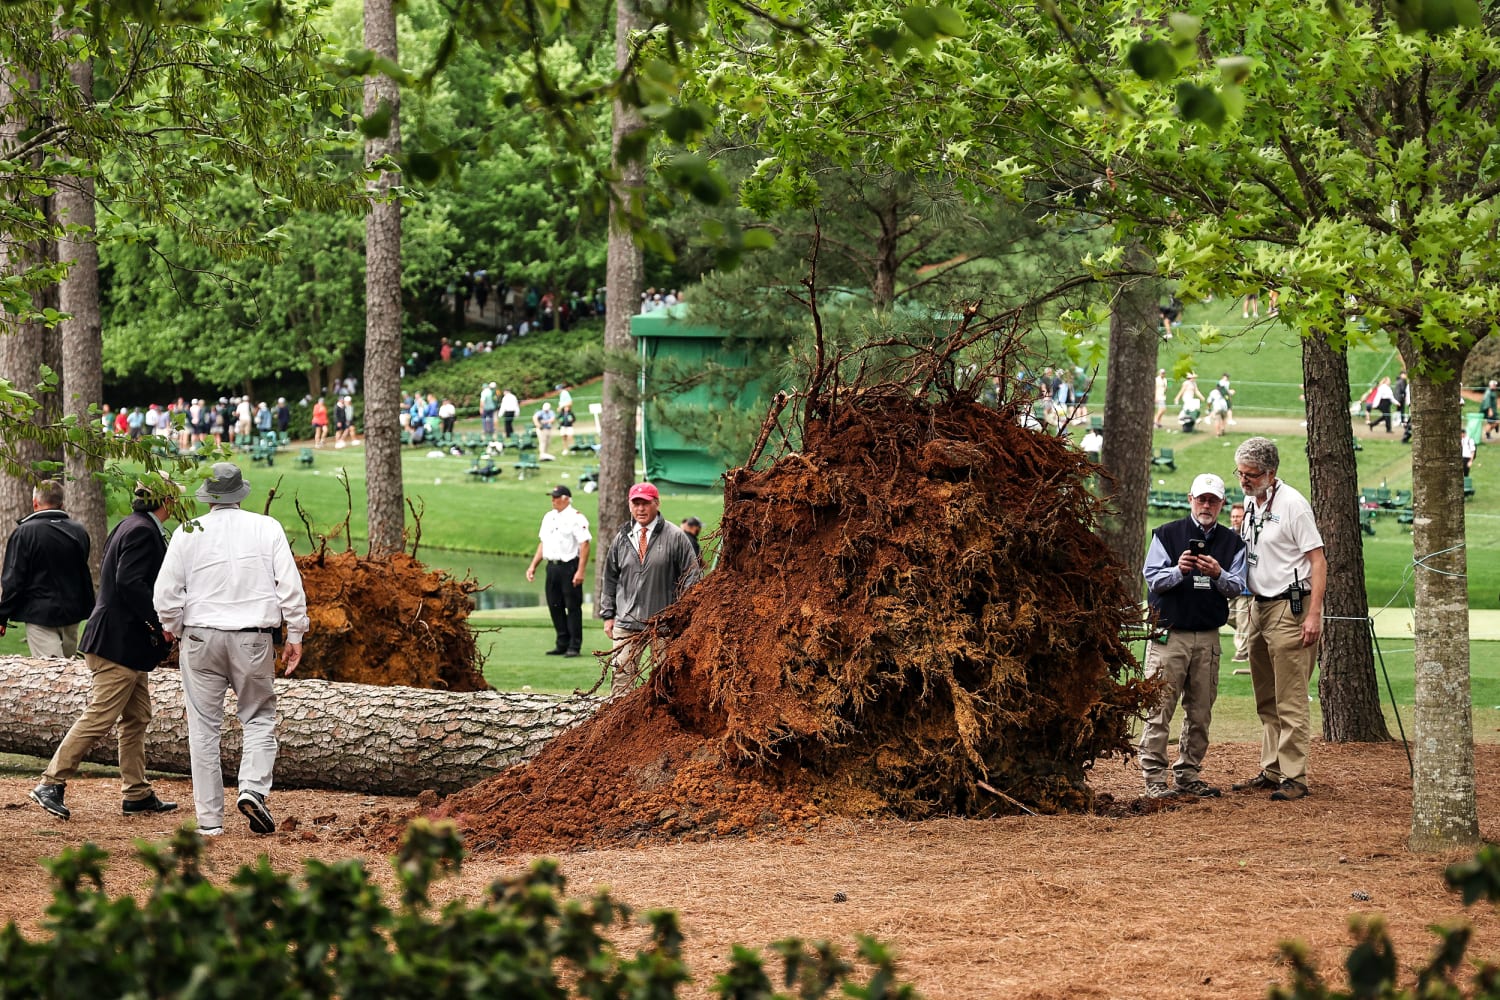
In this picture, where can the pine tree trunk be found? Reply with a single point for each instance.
(382, 375)
(1134, 320)
(625, 274)
(82, 344)
(1347, 686)
(354, 737)
(1444, 813)
(22, 344)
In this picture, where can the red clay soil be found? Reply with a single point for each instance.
(911, 616)
(388, 621)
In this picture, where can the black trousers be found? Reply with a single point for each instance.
(565, 602)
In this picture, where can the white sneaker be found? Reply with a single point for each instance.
(210, 831)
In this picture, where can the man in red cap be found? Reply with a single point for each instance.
(649, 565)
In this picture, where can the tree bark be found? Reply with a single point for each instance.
(1134, 320)
(1444, 813)
(22, 344)
(1347, 686)
(354, 737)
(624, 275)
(382, 375)
(82, 339)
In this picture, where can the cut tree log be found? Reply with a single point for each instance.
(352, 737)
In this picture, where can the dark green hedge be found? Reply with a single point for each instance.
(330, 934)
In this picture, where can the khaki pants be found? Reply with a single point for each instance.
(115, 693)
(1280, 667)
(59, 642)
(212, 662)
(1239, 617)
(628, 664)
(1187, 665)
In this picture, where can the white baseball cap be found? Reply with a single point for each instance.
(1208, 484)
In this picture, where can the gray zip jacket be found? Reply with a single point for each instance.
(634, 591)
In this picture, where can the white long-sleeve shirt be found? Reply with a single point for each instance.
(234, 570)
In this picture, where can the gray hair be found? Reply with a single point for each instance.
(49, 494)
(1260, 452)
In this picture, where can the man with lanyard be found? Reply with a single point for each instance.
(1193, 568)
(226, 586)
(565, 545)
(1287, 574)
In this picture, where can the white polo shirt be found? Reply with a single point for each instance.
(1278, 536)
(563, 532)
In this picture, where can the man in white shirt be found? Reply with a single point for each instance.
(510, 409)
(1288, 575)
(565, 545)
(225, 588)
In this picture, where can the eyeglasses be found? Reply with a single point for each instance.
(1249, 477)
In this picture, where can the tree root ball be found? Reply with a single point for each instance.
(388, 621)
(911, 616)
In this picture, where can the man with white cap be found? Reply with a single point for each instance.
(1194, 567)
(227, 585)
(649, 565)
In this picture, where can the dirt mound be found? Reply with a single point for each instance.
(623, 777)
(911, 616)
(388, 621)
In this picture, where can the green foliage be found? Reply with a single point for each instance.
(329, 933)
(1371, 963)
(182, 105)
(530, 366)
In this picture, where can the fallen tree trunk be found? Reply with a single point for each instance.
(353, 737)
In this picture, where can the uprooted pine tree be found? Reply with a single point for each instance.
(911, 616)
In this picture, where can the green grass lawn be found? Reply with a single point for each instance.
(460, 512)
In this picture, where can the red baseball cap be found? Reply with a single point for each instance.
(644, 491)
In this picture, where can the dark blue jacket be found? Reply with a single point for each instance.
(46, 579)
(1184, 606)
(124, 628)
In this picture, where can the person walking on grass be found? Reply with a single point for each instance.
(1288, 575)
(226, 587)
(46, 581)
(1193, 568)
(565, 546)
(122, 643)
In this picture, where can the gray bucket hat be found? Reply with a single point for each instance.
(226, 485)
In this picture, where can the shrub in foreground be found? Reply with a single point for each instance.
(1371, 964)
(330, 934)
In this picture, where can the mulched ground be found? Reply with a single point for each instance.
(1190, 901)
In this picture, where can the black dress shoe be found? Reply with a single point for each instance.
(557, 652)
(572, 652)
(150, 804)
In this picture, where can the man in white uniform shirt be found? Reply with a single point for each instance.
(1287, 575)
(225, 588)
(565, 545)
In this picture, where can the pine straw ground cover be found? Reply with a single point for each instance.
(1186, 902)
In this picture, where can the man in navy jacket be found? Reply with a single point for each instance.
(1194, 567)
(122, 643)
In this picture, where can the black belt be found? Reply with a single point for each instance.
(562, 562)
(268, 630)
(1285, 595)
